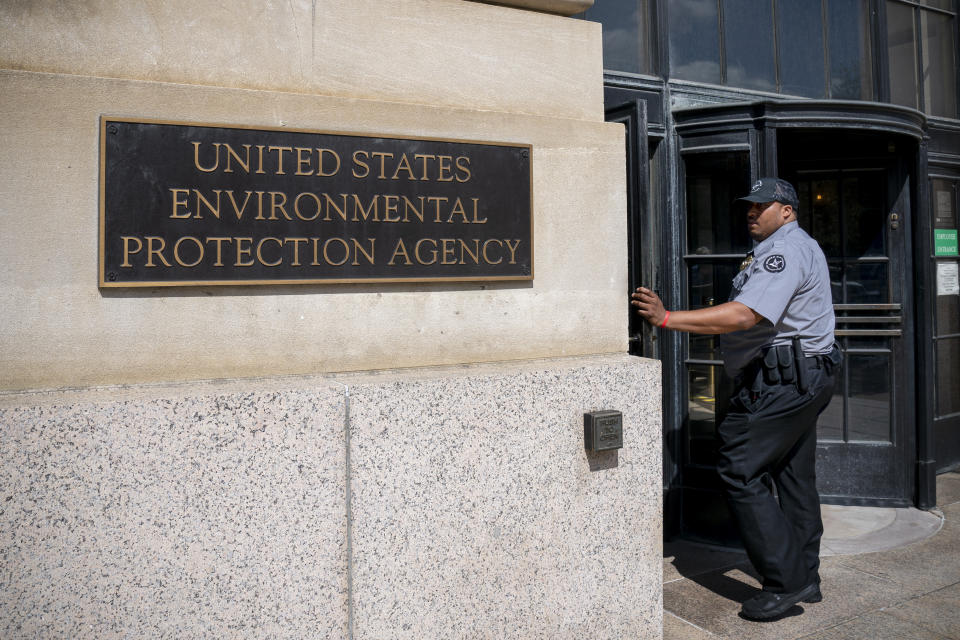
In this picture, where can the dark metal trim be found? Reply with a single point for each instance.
(867, 307)
(867, 351)
(924, 311)
(871, 319)
(943, 159)
(715, 363)
(865, 502)
(918, 5)
(822, 114)
(713, 256)
(860, 333)
(743, 146)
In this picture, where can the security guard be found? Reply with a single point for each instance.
(778, 346)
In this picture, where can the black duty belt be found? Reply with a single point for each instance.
(786, 364)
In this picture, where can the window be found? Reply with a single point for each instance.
(939, 64)
(805, 48)
(808, 48)
(627, 43)
(947, 325)
(695, 40)
(850, 60)
(748, 40)
(922, 54)
(802, 55)
(717, 241)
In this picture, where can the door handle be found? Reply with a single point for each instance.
(868, 333)
(867, 307)
(871, 319)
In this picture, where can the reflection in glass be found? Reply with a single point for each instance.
(867, 283)
(869, 397)
(944, 204)
(800, 39)
(864, 214)
(748, 43)
(939, 4)
(703, 382)
(627, 43)
(703, 347)
(948, 375)
(695, 40)
(836, 280)
(820, 213)
(939, 71)
(902, 53)
(948, 318)
(851, 71)
(866, 343)
(830, 422)
(702, 280)
(710, 282)
(714, 181)
(846, 214)
(709, 285)
(702, 391)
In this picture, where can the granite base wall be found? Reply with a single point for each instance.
(429, 503)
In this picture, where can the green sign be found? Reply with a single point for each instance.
(945, 242)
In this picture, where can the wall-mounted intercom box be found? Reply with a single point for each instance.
(603, 430)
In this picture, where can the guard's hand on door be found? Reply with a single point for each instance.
(649, 306)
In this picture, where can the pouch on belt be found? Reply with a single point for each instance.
(786, 363)
(771, 370)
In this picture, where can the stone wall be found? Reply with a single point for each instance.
(182, 462)
(435, 504)
(446, 69)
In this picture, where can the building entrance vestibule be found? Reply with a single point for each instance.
(857, 191)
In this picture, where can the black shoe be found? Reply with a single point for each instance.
(766, 604)
(816, 597)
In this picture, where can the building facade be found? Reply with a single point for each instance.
(345, 459)
(856, 103)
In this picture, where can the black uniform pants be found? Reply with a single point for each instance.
(769, 433)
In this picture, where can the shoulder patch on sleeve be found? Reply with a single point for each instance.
(775, 263)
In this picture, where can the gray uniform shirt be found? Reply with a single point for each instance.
(787, 283)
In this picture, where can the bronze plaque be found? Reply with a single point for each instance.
(186, 204)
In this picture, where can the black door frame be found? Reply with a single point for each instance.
(640, 229)
(640, 110)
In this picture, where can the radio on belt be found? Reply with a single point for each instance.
(603, 430)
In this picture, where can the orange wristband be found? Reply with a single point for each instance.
(665, 318)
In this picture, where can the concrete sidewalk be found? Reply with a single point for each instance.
(887, 573)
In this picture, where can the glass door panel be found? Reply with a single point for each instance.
(831, 422)
(857, 209)
(948, 376)
(869, 407)
(866, 282)
(848, 217)
(717, 241)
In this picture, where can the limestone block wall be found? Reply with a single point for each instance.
(450, 69)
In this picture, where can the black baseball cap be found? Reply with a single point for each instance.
(773, 190)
